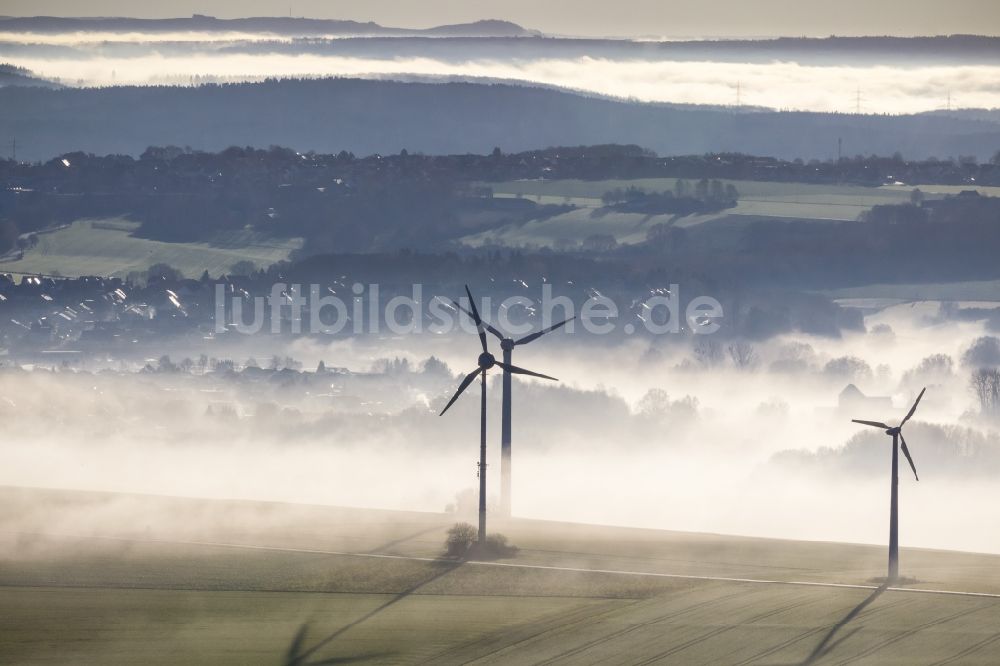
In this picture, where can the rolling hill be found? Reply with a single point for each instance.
(11, 75)
(366, 117)
(111, 578)
(275, 25)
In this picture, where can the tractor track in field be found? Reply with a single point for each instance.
(781, 646)
(562, 627)
(817, 631)
(639, 625)
(972, 649)
(910, 632)
(721, 630)
(536, 629)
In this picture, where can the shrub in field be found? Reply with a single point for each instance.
(462, 541)
(461, 536)
(498, 546)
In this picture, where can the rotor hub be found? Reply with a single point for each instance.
(487, 360)
(507, 344)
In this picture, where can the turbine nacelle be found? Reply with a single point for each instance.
(486, 360)
(897, 431)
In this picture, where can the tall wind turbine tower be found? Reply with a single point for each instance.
(896, 433)
(485, 362)
(507, 344)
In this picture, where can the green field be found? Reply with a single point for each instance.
(758, 199)
(571, 227)
(91, 578)
(107, 247)
(751, 189)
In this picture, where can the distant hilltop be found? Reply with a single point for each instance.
(276, 25)
(12, 75)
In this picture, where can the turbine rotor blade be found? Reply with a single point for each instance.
(469, 378)
(534, 336)
(476, 318)
(513, 369)
(486, 325)
(914, 408)
(909, 459)
(874, 424)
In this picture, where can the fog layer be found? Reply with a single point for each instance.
(779, 85)
(661, 435)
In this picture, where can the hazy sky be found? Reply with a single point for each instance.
(588, 17)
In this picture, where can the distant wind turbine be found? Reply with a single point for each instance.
(486, 361)
(507, 344)
(897, 438)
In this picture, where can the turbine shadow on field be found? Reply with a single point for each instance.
(824, 647)
(395, 542)
(297, 655)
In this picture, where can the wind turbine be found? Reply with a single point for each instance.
(507, 344)
(897, 438)
(485, 362)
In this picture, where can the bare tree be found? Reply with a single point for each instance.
(985, 383)
(655, 404)
(166, 365)
(934, 369)
(708, 352)
(744, 355)
(983, 352)
(851, 368)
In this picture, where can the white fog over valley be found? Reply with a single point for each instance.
(638, 432)
(785, 85)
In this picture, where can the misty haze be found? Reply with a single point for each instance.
(521, 336)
